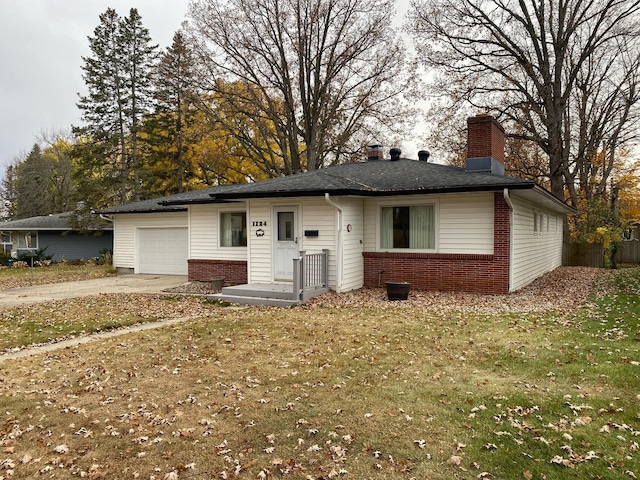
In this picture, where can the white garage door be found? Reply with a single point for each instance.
(163, 251)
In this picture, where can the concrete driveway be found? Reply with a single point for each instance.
(60, 291)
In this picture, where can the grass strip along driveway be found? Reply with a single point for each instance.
(337, 391)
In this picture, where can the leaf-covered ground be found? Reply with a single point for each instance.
(56, 273)
(50, 322)
(342, 389)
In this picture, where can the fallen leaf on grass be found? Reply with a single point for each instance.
(61, 449)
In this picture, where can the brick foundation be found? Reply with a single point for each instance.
(484, 274)
(233, 271)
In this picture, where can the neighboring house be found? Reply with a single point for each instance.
(438, 227)
(56, 234)
(632, 232)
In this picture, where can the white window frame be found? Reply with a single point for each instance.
(22, 240)
(6, 240)
(399, 202)
(220, 224)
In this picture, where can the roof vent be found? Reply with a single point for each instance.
(395, 154)
(374, 152)
(423, 155)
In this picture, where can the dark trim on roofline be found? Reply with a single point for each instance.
(364, 193)
(198, 201)
(147, 210)
(48, 229)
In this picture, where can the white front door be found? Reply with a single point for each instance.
(285, 247)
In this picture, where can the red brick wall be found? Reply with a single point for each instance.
(233, 271)
(485, 138)
(486, 274)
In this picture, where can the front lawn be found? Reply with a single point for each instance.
(56, 273)
(338, 392)
(50, 322)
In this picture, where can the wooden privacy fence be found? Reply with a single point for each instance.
(629, 253)
(583, 255)
(592, 254)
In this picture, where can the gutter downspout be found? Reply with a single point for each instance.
(507, 198)
(339, 246)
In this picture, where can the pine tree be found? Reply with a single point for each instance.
(139, 63)
(102, 143)
(8, 193)
(33, 185)
(118, 79)
(167, 130)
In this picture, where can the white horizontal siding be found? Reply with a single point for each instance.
(371, 209)
(533, 252)
(204, 222)
(317, 214)
(260, 248)
(313, 214)
(353, 262)
(124, 232)
(464, 221)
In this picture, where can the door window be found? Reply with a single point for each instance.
(285, 227)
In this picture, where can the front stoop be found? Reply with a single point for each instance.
(277, 295)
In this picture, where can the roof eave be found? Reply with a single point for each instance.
(140, 210)
(551, 197)
(367, 192)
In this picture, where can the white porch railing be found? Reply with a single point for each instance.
(310, 272)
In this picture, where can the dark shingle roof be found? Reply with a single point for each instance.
(171, 203)
(376, 178)
(373, 178)
(58, 222)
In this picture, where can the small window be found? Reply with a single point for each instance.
(285, 226)
(28, 240)
(408, 227)
(538, 222)
(233, 229)
(629, 233)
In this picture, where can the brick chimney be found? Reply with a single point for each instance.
(485, 145)
(374, 152)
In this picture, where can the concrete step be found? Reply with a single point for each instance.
(253, 300)
(278, 291)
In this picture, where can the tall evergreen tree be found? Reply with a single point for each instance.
(118, 79)
(139, 62)
(8, 193)
(101, 148)
(33, 185)
(166, 130)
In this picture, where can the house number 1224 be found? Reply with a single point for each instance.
(259, 224)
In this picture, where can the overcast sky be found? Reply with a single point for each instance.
(41, 45)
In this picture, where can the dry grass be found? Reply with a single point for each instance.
(51, 322)
(387, 391)
(56, 273)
